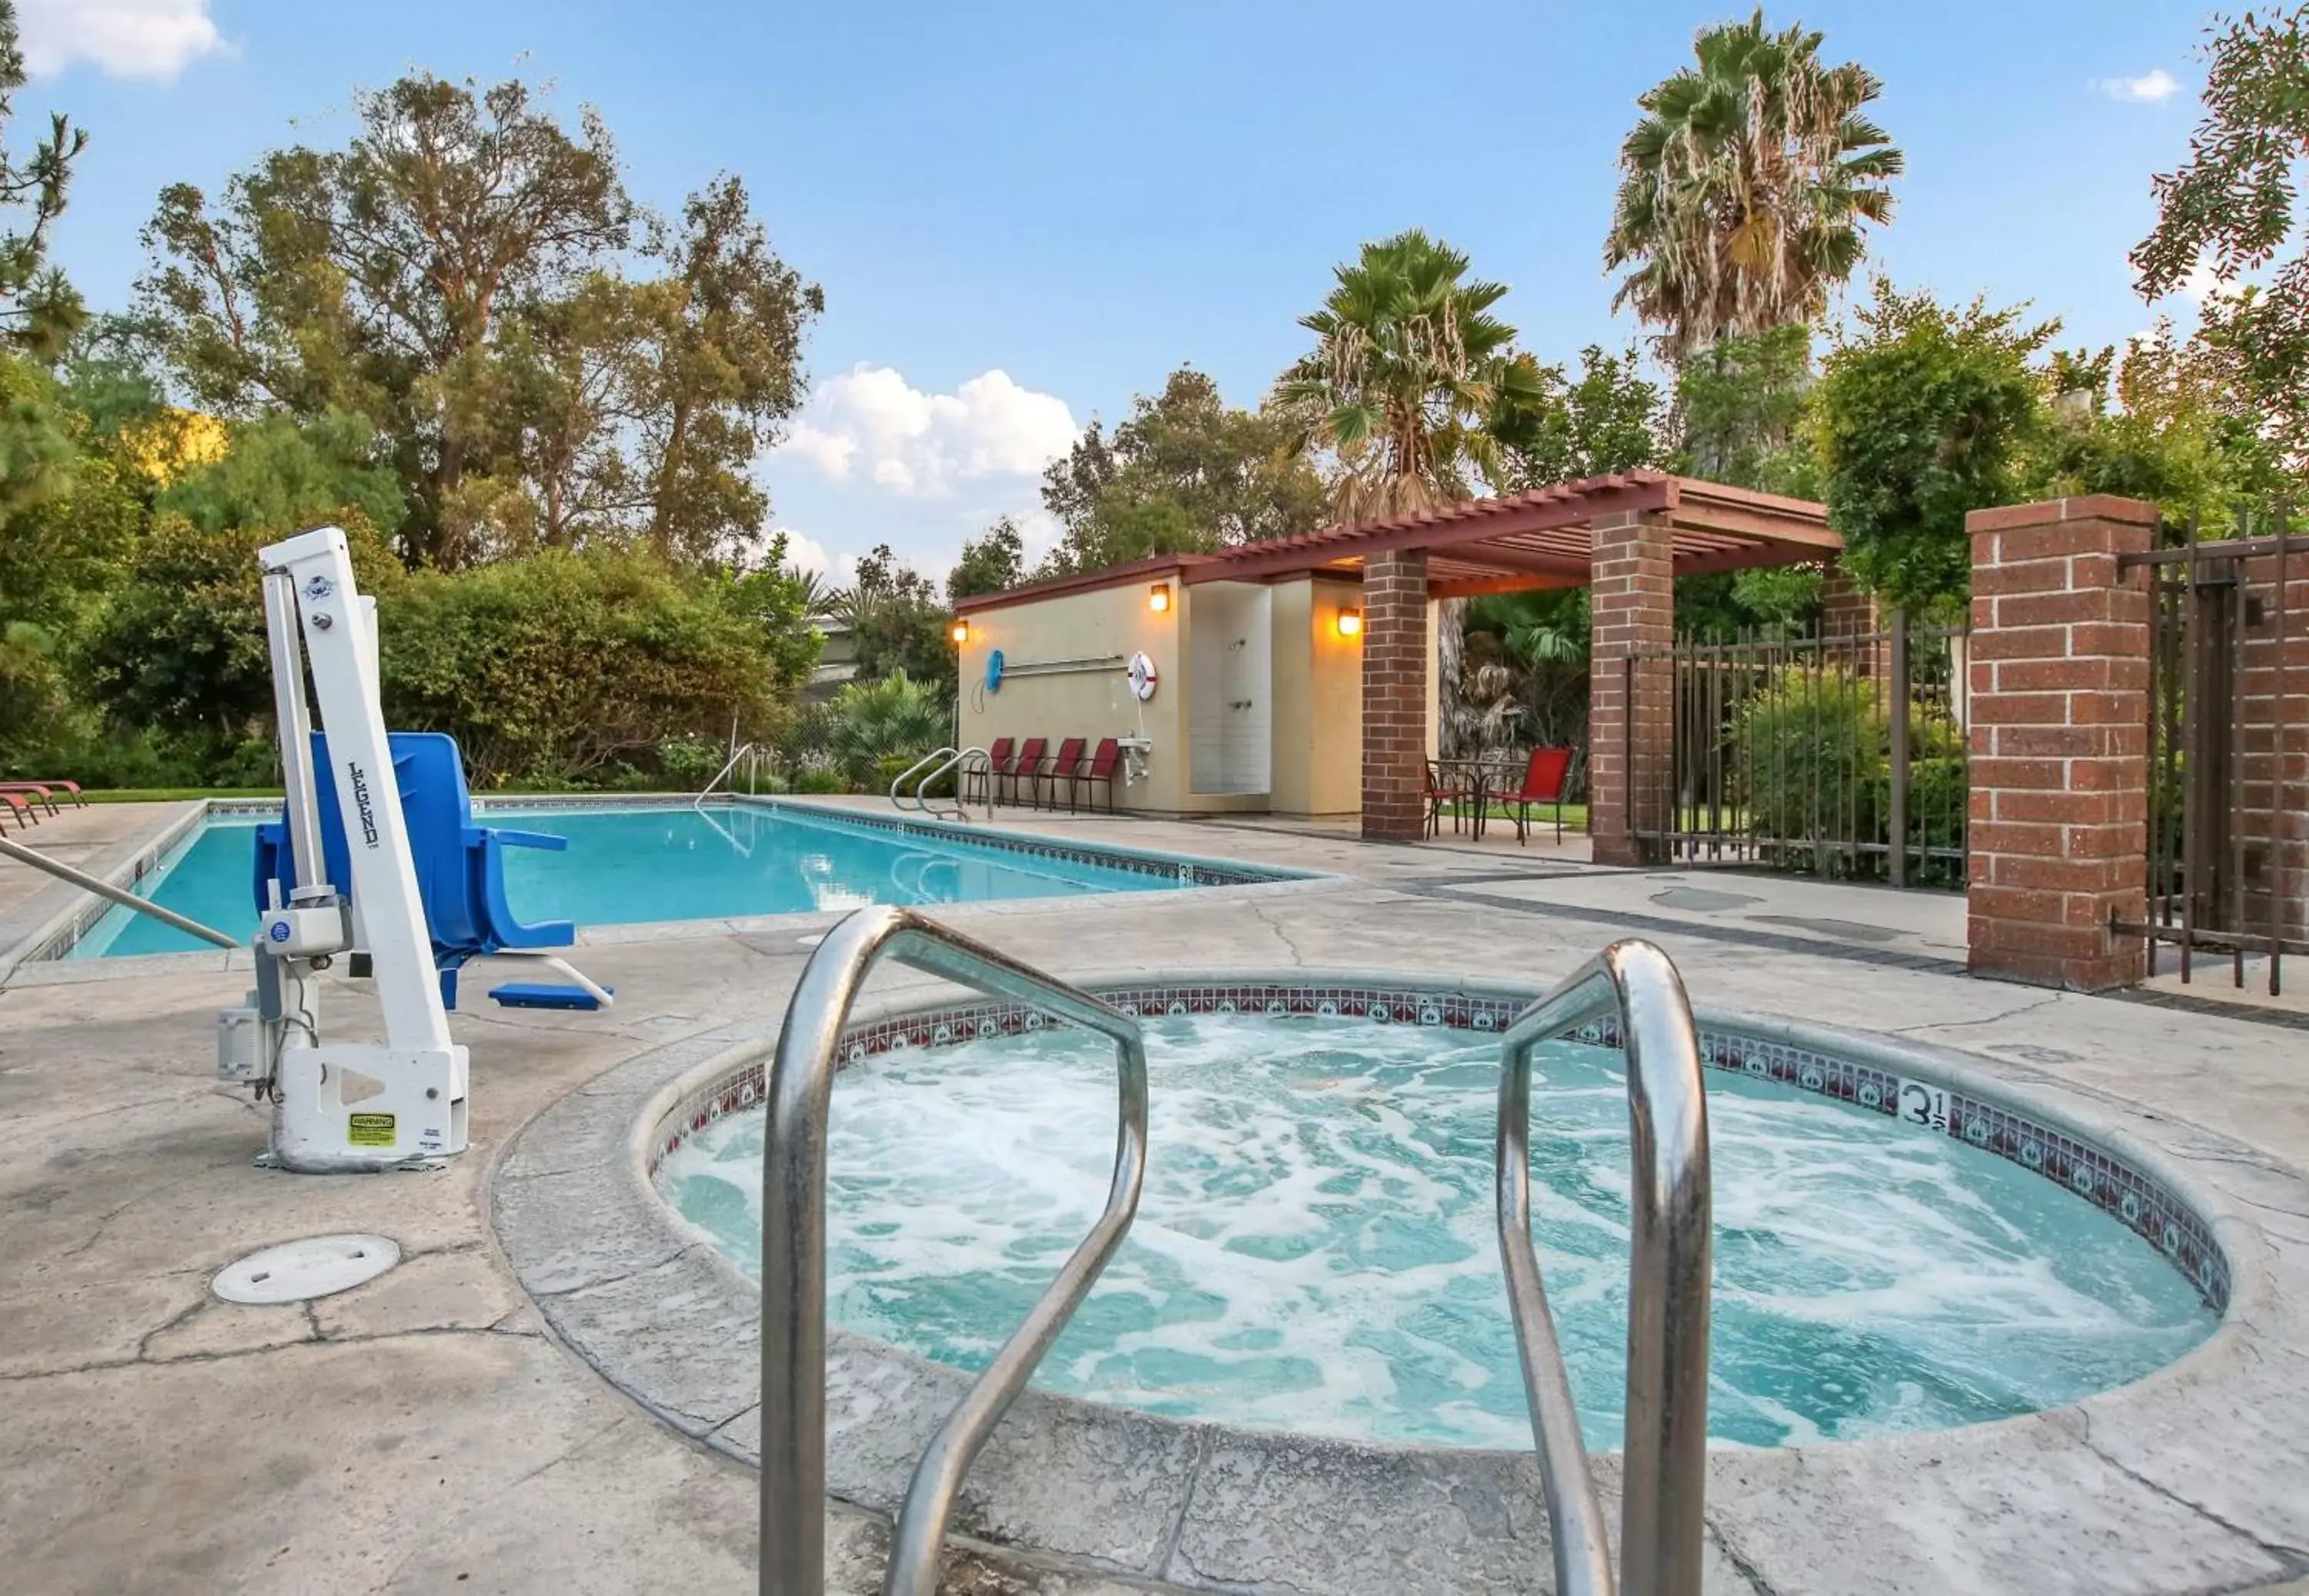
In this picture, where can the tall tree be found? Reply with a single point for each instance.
(1745, 186)
(1408, 365)
(1924, 413)
(993, 562)
(458, 275)
(1184, 473)
(39, 310)
(2231, 207)
(1553, 428)
(1409, 369)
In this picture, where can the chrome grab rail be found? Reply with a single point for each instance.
(1662, 1531)
(896, 800)
(954, 759)
(741, 751)
(800, 1085)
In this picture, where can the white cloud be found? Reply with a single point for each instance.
(808, 554)
(2201, 283)
(870, 425)
(2147, 89)
(128, 39)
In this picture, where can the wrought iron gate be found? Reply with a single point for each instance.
(2229, 748)
(1840, 756)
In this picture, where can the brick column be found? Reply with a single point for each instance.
(2058, 759)
(1631, 610)
(1846, 610)
(1395, 697)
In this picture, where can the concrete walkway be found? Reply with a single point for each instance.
(424, 1433)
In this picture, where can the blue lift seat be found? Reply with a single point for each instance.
(460, 866)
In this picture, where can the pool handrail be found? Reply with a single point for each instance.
(796, 1101)
(120, 896)
(1663, 1531)
(927, 769)
(742, 751)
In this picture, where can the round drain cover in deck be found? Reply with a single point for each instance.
(296, 1271)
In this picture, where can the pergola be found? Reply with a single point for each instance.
(1628, 535)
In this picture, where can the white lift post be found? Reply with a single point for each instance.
(342, 1105)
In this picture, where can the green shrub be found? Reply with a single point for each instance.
(1815, 773)
(820, 777)
(893, 719)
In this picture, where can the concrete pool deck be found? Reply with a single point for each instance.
(426, 1431)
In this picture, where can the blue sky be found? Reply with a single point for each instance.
(1023, 213)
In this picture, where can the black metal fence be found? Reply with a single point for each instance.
(1841, 757)
(2229, 748)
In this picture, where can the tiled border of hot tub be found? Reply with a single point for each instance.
(2134, 1198)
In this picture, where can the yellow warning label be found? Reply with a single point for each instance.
(371, 1130)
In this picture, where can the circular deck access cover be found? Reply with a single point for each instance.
(296, 1270)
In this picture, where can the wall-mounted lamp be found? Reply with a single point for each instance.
(1350, 623)
(1158, 597)
(960, 630)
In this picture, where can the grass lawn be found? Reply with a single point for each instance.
(1575, 816)
(176, 795)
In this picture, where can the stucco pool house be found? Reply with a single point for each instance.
(1296, 676)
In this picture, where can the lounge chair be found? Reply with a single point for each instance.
(38, 792)
(20, 809)
(1546, 778)
(1064, 765)
(69, 788)
(1099, 772)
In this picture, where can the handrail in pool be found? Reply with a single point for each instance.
(954, 759)
(742, 751)
(1662, 1532)
(800, 1088)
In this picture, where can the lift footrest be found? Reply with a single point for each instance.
(546, 994)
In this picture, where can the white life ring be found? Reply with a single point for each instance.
(1142, 678)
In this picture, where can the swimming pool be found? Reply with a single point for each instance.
(634, 865)
(1314, 1251)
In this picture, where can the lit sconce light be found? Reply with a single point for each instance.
(1351, 623)
(1158, 597)
(960, 630)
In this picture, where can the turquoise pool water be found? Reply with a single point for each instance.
(625, 866)
(1315, 1248)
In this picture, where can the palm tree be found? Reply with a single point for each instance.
(1745, 186)
(1408, 365)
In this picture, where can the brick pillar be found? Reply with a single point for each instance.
(1631, 611)
(1395, 697)
(2059, 741)
(1845, 608)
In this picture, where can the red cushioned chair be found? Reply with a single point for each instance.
(1447, 787)
(1099, 772)
(978, 782)
(1065, 767)
(1545, 780)
(1028, 768)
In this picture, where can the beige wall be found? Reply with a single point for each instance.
(1319, 701)
(1092, 701)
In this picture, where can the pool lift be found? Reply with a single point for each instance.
(352, 889)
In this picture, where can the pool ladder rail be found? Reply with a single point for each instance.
(1663, 1533)
(962, 762)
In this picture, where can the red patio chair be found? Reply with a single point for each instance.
(1065, 767)
(70, 788)
(20, 809)
(1545, 780)
(1100, 771)
(33, 791)
(997, 764)
(1453, 786)
(1028, 768)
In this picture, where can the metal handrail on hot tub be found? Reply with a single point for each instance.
(800, 1085)
(1662, 1530)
